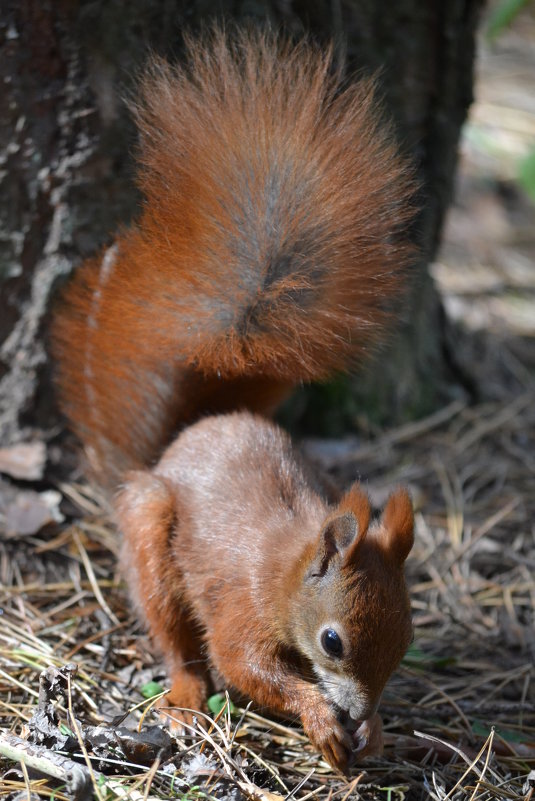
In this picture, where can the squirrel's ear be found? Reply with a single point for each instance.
(357, 502)
(397, 525)
(337, 538)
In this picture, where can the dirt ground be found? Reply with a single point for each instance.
(460, 713)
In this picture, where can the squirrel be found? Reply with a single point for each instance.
(270, 250)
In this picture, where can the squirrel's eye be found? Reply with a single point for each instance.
(331, 642)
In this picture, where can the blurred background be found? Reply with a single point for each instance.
(485, 269)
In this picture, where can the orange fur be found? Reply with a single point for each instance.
(270, 248)
(236, 561)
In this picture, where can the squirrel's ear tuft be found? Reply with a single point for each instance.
(355, 500)
(338, 539)
(397, 525)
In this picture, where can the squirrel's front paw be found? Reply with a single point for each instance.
(187, 696)
(329, 736)
(368, 738)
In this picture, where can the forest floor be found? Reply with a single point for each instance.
(460, 713)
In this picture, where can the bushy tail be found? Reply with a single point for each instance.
(271, 244)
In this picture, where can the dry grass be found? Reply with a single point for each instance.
(459, 715)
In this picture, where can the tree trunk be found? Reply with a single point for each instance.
(67, 169)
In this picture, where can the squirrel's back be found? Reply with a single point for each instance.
(271, 245)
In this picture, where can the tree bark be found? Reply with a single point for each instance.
(67, 165)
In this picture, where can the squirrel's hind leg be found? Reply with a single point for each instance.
(148, 514)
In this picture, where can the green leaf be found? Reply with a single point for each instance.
(397, 792)
(65, 730)
(216, 703)
(503, 15)
(418, 660)
(415, 655)
(526, 174)
(483, 730)
(150, 689)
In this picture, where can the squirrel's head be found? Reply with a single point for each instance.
(352, 617)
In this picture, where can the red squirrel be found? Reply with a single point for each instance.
(269, 251)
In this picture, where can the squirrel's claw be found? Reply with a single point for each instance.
(368, 738)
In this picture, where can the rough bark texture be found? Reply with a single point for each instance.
(67, 144)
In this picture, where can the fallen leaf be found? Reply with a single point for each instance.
(26, 460)
(29, 511)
